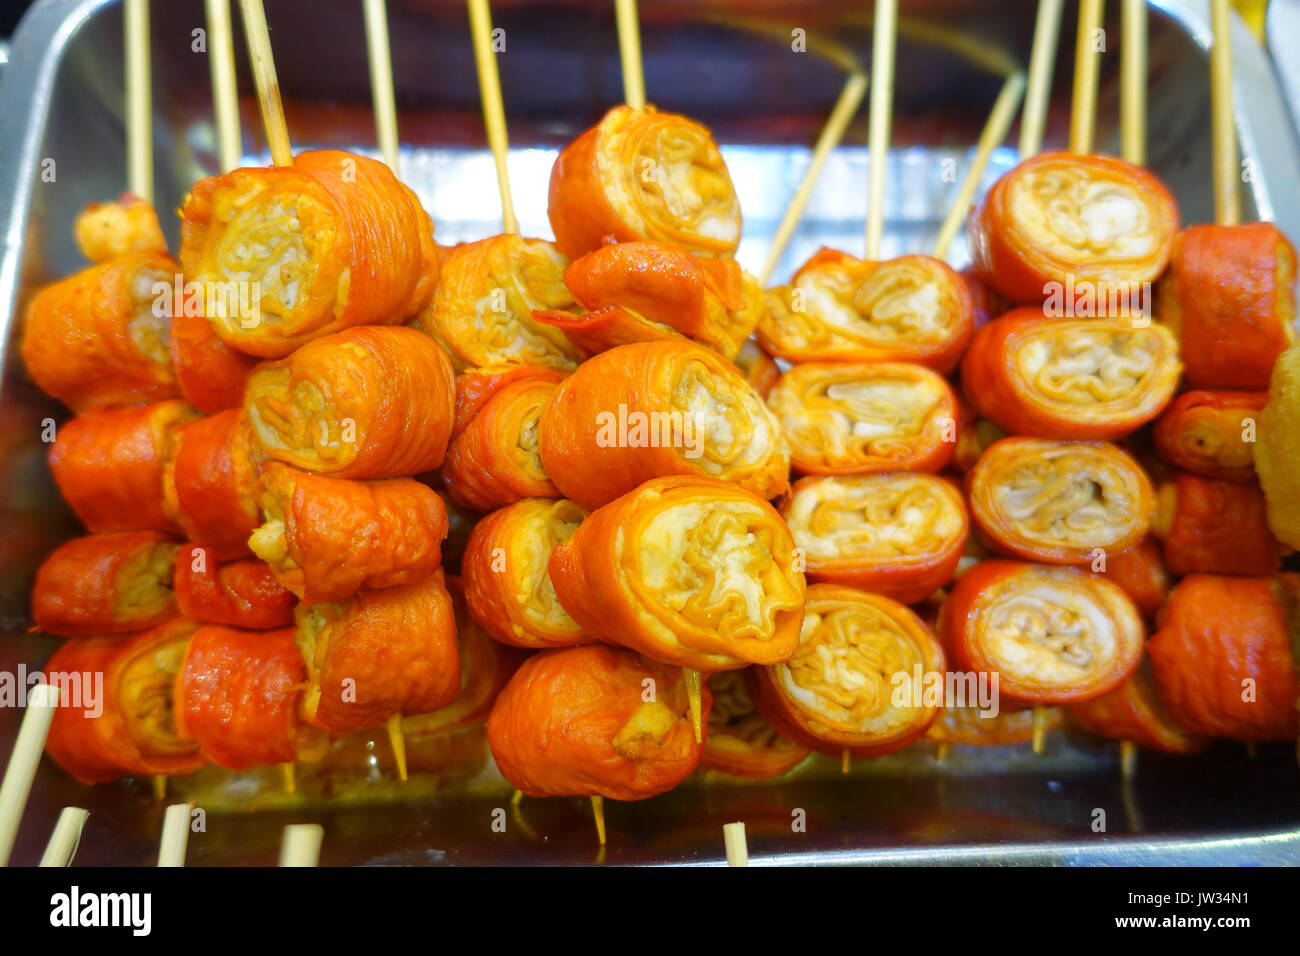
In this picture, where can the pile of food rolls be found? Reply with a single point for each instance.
(576, 490)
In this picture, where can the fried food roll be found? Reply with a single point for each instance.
(495, 460)
(475, 388)
(327, 538)
(1141, 574)
(333, 241)
(110, 230)
(1224, 659)
(1054, 635)
(900, 534)
(968, 727)
(237, 695)
(1215, 527)
(1229, 296)
(1132, 711)
(1091, 224)
(852, 683)
(643, 174)
(689, 571)
(109, 465)
(379, 653)
(1277, 451)
(1211, 433)
(243, 594)
(482, 312)
(508, 588)
(606, 328)
(211, 483)
(1059, 502)
(1070, 378)
(210, 373)
(842, 309)
(365, 403)
(106, 584)
(82, 734)
(846, 419)
(576, 722)
(98, 339)
(740, 742)
(659, 408)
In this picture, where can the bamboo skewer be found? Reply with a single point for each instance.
(737, 847)
(693, 693)
(26, 756)
(1042, 64)
(159, 784)
(397, 740)
(598, 812)
(1227, 171)
(65, 838)
(1040, 729)
(884, 43)
(494, 114)
(300, 845)
(629, 50)
(139, 100)
(846, 760)
(225, 95)
(380, 58)
(268, 86)
(290, 777)
(1133, 83)
(1083, 111)
(175, 835)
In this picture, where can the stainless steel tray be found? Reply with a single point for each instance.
(60, 100)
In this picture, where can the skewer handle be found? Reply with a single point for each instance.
(1227, 171)
(494, 112)
(225, 94)
(26, 756)
(629, 50)
(65, 838)
(694, 691)
(737, 847)
(598, 813)
(884, 44)
(139, 100)
(1083, 113)
(268, 85)
(381, 80)
(1042, 64)
(1133, 83)
(397, 739)
(175, 835)
(301, 844)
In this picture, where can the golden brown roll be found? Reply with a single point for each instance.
(333, 241)
(689, 571)
(243, 594)
(643, 174)
(659, 408)
(211, 483)
(211, 374)
(1215, 527)
(739, 741)
(1211, 433)
(366, 403)
(1277, 451)
(1141, 574)
(1132, 711)
(110, 230)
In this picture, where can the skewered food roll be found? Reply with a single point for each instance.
(899, 535)
(106, 584)
(1230, 298)
(1070, 378)
(482, 312)
(972, 726)
(844, 418)
(110, 230)
(841, 309)
(211, 483)
(594, 720)
(1224, 659)
(327, 538)
(1211, 433)
(1277, 451)
(1089, 225)
(740, 742)
(856, 680)
(643, 174)
(658, 408)
(333, 241)
(237, 696)
(211, 374)
(495, 459)
(98, 339)
(1140, 573)
(365, 403)
(1054, 635)
(1060, 502)
(81, 738)
(1132, 711)
(689, 571)
(1215, 527)
(242, 594)
(109, 466)
(508, 587)
(379, 653)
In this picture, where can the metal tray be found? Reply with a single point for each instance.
(60, 100)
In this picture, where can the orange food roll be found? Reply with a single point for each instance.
(1215, 527)
(689, 571)
(1230, 298)
(211, 483)
(333, 241)
(1211, 433)
(476, 386)
(841, 309)
(899, 534)
(1053, 635)
(1141, 574)
(106, 584)
(482, 312)
(379, 653)
(659, 408)
(237, 695)
(327, 538)
(210, 373)
(740, 742)
(1132, 711)
(366, 403)
(1224, 659)
(495, 459)
(605, 328)
(856, 680)
(1277, 451)
(1064, 221)
(1059, 502)
(98, 339)
(972, 726)
(849, 418)
(507, 585)
(109, 465)
(243, 594)
(759, 368)
(110, 230)
(1070, 378)
(82, 736)
(643, 174)
(576, 722)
